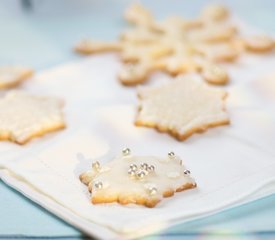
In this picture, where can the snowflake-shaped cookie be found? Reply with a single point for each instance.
(182, 107)
(137, 179)
(24, 116)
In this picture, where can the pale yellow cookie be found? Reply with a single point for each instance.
(182, 107)
(215, 13)
(91, 47)
(24, 116)
(136, 179)
(138, 15)
(176, 45)
(260, 43)
(11, 76)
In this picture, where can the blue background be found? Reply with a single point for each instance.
(43, 35)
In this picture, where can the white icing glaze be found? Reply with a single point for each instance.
(119, 182)
(173, 174)
(23, 115)
(183, 105)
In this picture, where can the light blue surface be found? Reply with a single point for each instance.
(43, 37)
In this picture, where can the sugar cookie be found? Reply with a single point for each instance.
(177, 45)
(137, 179)
(182, 107)
(24, 116)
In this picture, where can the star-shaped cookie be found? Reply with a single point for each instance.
(182, 107)
(142, 180)
(178, 43)
(24, 116)
(11, 76)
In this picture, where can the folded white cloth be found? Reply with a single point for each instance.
(231, 164)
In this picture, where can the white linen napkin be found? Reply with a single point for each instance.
(231, 164)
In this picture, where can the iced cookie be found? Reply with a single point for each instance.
(182, 107)
(91, 46)
(173, 45)
(11, 76)
(137, 179)
(24, 116)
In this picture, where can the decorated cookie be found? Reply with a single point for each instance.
(182, 107)
(176, 45)
(137, 179)
(11, 76)
(24, 116)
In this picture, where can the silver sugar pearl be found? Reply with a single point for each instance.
(144, 166)
(152, 190)
(126, 151)
(140, 174)
(133, 167)
(98, 185)
(151, 168)
(131, 172)
(171, 154)
(186, 172)
(96, 165)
